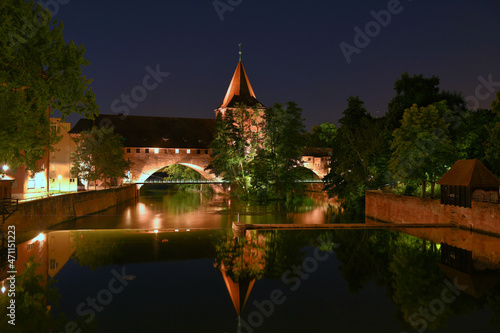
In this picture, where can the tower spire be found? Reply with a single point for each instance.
(240, 50)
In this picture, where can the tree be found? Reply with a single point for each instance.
(421, 91)
(422, 148)
(493, 144)
(357, 157)
(322, 136)
(99, 155)
(39, 73)
(285, 137)
(234, 146)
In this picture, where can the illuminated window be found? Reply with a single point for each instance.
(188, 151)
(156, 150)
(177, 151)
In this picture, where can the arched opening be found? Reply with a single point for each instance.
(304, 173)
(173, 176)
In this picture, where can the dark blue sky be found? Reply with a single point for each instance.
(291, 51)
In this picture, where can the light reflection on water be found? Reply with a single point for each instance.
(202, 280)
(199, 211)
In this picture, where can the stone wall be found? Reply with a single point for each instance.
(38, 215)
(393, 208)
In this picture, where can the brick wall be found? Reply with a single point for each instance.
(404, 209)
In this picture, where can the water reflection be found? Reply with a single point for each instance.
(200, 211)
(407, 267)
(375, 280)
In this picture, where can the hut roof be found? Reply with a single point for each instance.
(469, 173)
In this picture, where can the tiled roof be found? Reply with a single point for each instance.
(158, 132)
(240, 90)
(469, 173)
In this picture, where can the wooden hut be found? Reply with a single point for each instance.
(467, 180)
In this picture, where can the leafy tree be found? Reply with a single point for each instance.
(322, 136)
(422, 148)
(474, 135)
(237, 137)
(99, 155)
(177, 171)
(421, 91)
(95, 249)
(285, 133)
(38, 72)
(258, 153)
(357, 158)
(493, 144)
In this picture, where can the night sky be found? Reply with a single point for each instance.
(291, 51)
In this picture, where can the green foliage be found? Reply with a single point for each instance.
(282, 151)
(99, 155)
(94, 249)
(358, 155)
(422, 148)
(239, 257)
(33, 295)
(258, 153)
(421, 91)
(234, 147)
(177, 171)
(322, 136)
(493, 143)
(38, 71)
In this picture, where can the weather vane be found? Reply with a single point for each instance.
(240, 50)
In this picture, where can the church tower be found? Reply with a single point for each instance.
(239, 92)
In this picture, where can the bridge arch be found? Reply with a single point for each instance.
(144, 165)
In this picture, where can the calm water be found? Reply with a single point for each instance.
(173, 265)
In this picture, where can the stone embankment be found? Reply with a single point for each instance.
(392, 208)
(39, 215)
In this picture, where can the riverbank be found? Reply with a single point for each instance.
(37, 215)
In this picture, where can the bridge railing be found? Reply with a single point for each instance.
(214, 181)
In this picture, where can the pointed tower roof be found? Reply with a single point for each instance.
(240, 90)
(238, 291)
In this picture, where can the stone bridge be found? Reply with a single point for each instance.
(146, 161)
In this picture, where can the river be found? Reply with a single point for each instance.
(170, 263)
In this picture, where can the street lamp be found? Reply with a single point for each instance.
(5, 167)
(59, 177)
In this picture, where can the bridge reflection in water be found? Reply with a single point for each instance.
(243, 260)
